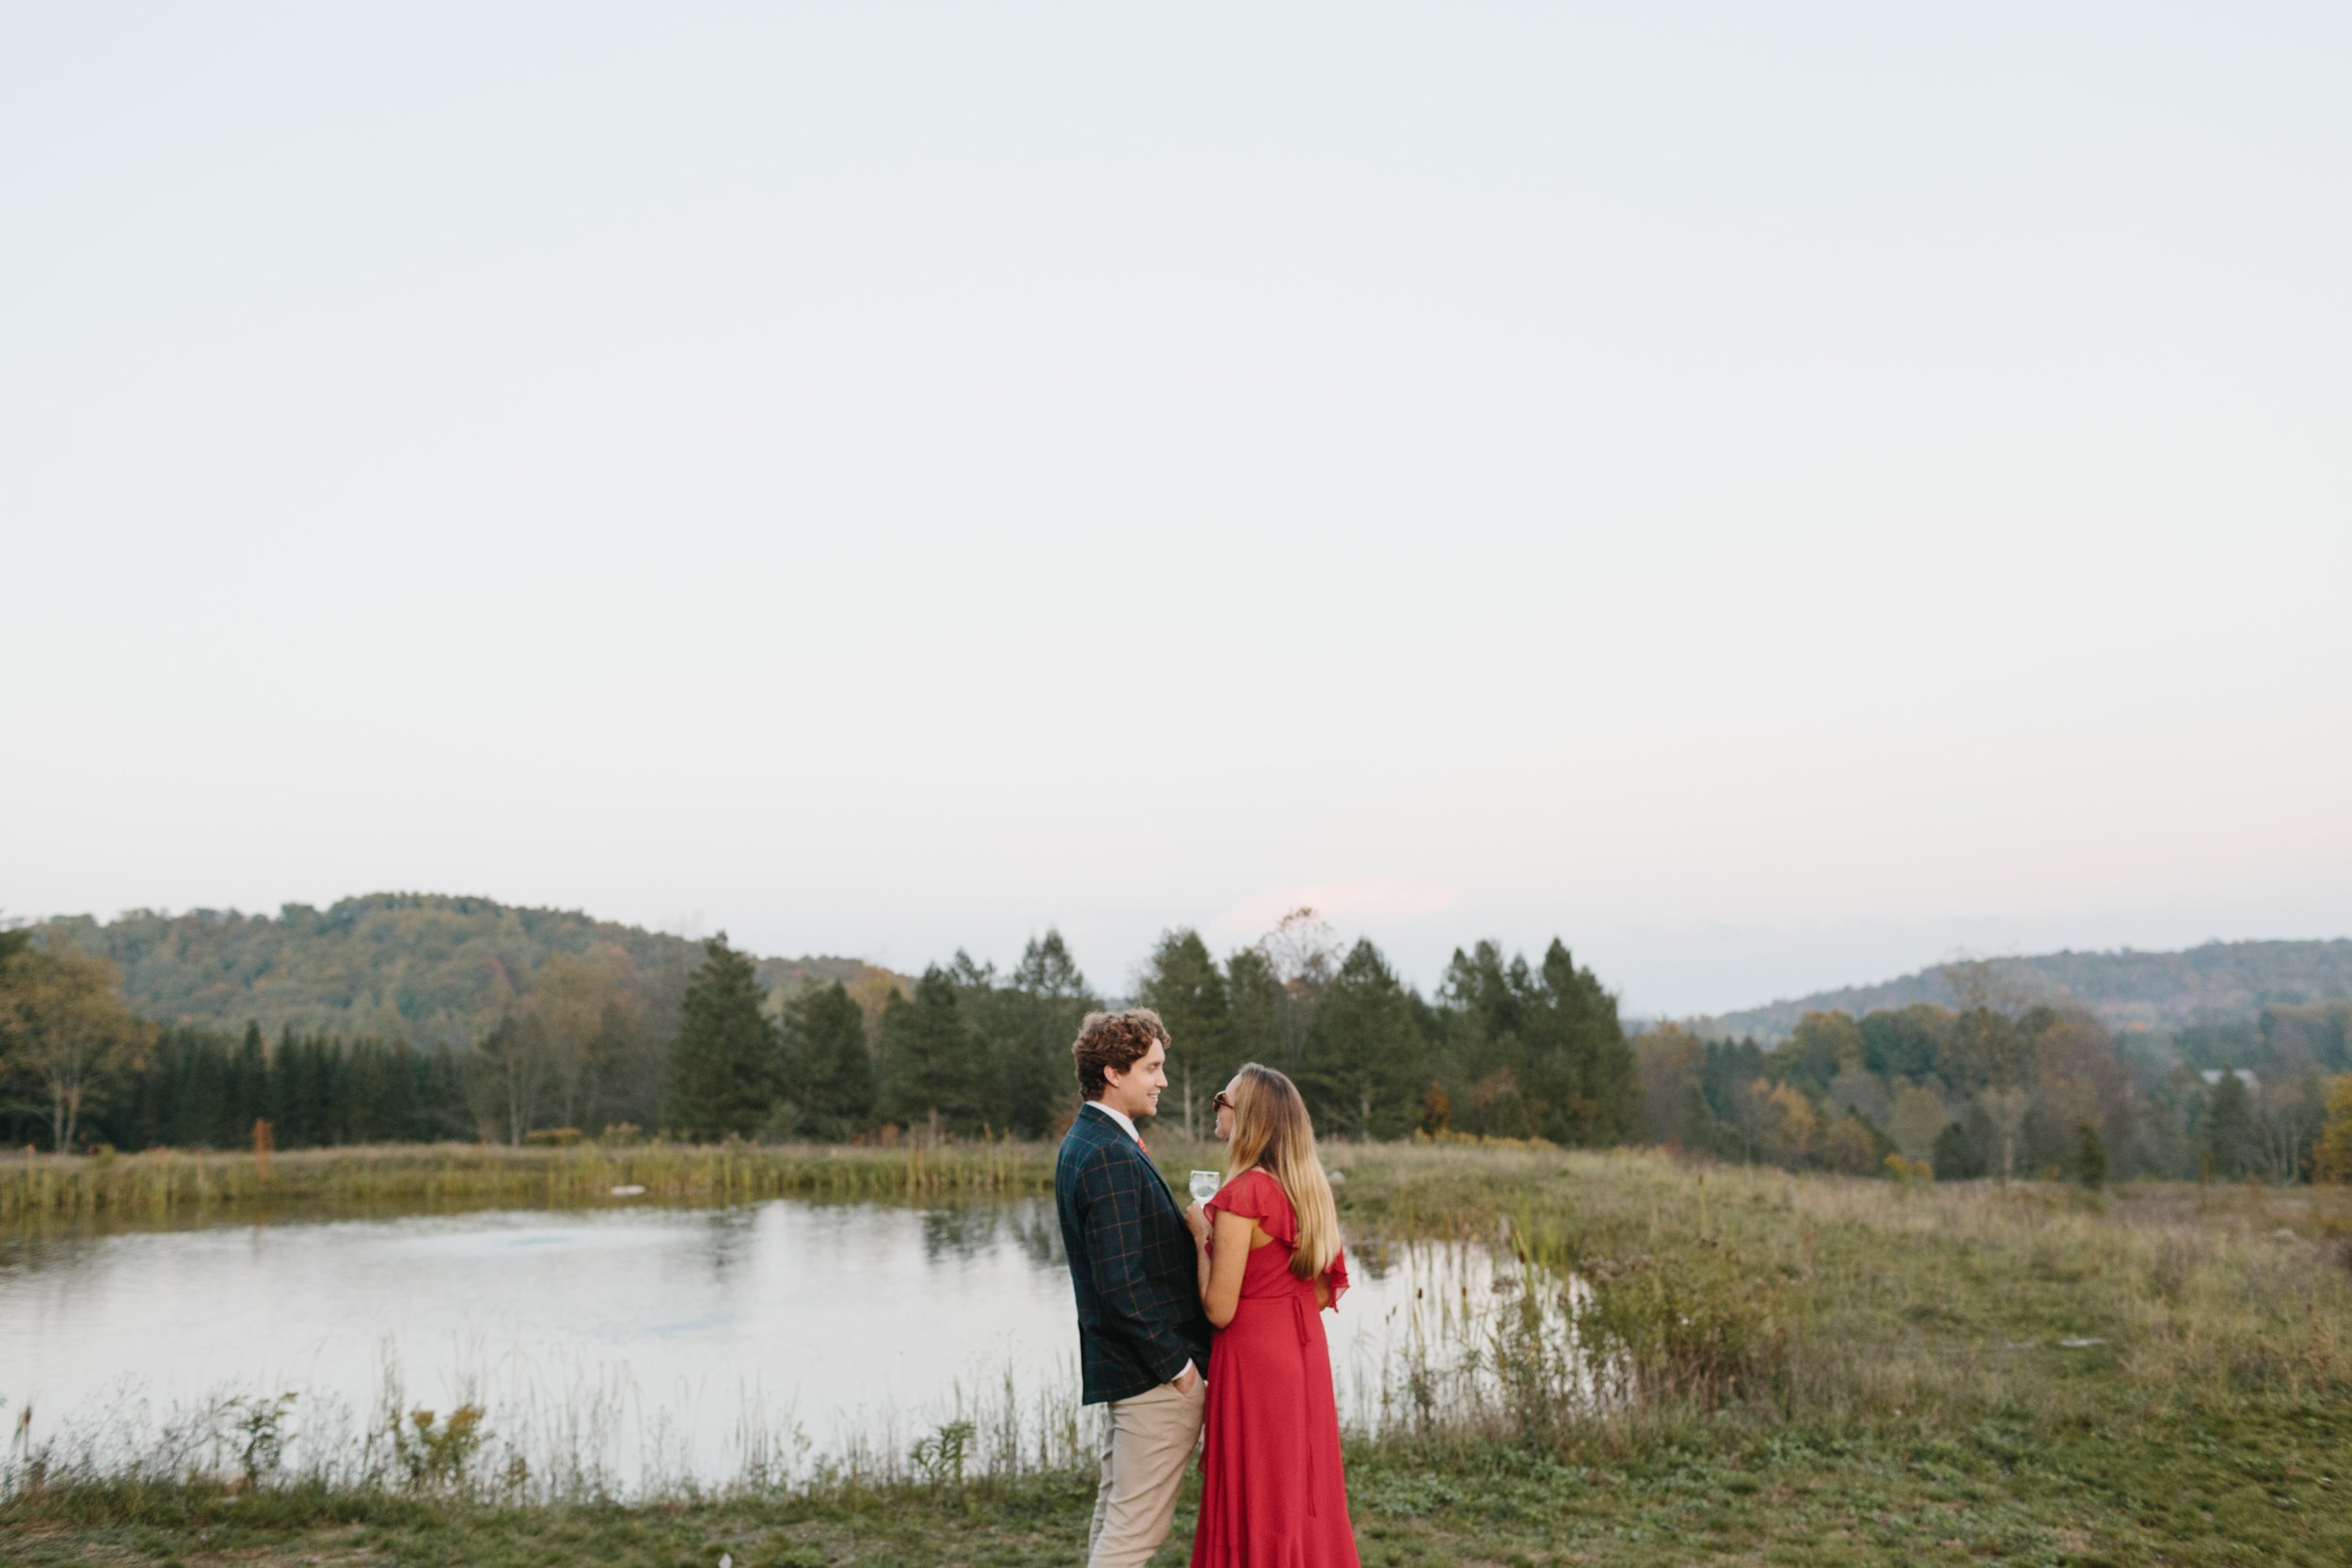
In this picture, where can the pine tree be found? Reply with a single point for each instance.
(1049, 998)
(1254, 1003)
(2230, 1139)
(249, 1089)
(287, 1095)
(829, 1069)
(1580, 1071)
(1482, 1040)
(2090, 1157)
(1365, 1055)
(1181, 983)
(724, 1068)
(201, 1116)
(932, 1060)
(442, 1097)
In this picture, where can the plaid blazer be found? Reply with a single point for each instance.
(1133, 1262)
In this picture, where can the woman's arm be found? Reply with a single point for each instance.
(1229, 1259)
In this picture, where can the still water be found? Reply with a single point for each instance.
(630, 1348)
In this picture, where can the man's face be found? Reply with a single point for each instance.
(1136, 1091)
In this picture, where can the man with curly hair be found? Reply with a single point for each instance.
(1143, 1338)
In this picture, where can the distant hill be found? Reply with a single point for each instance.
(2217, 982)
(421, 967)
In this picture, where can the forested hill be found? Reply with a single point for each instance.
(2220, 981)
(421, 967)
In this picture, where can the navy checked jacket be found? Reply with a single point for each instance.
(1133, 1262)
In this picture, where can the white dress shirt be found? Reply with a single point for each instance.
(1121, 1118)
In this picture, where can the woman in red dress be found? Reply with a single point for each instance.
(1271, 1491)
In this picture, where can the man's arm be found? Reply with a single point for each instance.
(1111, 1220)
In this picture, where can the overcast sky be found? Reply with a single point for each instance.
(1775, 496)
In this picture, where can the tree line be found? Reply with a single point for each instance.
(2004, 1086)
(1506, 1046)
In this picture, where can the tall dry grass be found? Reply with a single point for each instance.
(1842, 1303)
(174, 1185)
(1634, 1294)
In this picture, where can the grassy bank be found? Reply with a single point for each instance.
(1731, 1494)
(1793, 1370)
(179, 1185)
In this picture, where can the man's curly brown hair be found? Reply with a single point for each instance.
(1116, 1041)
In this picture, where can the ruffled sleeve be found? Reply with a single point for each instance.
(1336, 1277)
(1254, 1194)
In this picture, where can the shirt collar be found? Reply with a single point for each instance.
(1121, 1118)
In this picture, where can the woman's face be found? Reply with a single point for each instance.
(1225, 1111)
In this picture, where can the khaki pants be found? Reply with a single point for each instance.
(1146, 1441)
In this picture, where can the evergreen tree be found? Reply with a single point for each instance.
(1254, 1003)
(202, 1116)
(1365, 1055)
(249, 1089)
(932, 1060)
(2090, 1157)
(1047, 1000)
(829, 1069)
(398, 1119)
(287, 1092)
(1904, 1042)
(724, 1068)
(1482, 1046)
(443, 1113)
(1580, 1076)
(1181, 983)
(2230, 1139)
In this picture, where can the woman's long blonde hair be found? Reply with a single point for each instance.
(1272, 1133)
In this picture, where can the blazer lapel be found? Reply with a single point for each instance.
(1107, 1130)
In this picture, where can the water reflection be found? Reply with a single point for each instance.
(622, 1348)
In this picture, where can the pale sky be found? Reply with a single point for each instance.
(1773, 494)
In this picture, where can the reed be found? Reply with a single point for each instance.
(175, 1185)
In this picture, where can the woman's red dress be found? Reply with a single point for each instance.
(1271, 1491)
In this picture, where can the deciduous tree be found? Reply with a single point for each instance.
(63, 1025)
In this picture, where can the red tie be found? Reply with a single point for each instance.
(1141, 1145)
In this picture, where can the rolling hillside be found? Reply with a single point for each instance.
(420, 967)
(2217, 982)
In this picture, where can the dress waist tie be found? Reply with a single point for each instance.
(1303, 1315)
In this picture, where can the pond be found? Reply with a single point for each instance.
(627, 1350)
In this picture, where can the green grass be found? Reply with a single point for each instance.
(2001, 1493)
(1824, 1371)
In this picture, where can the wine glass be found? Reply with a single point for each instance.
(1204, 1185)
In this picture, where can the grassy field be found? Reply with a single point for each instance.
(1796, 1369)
